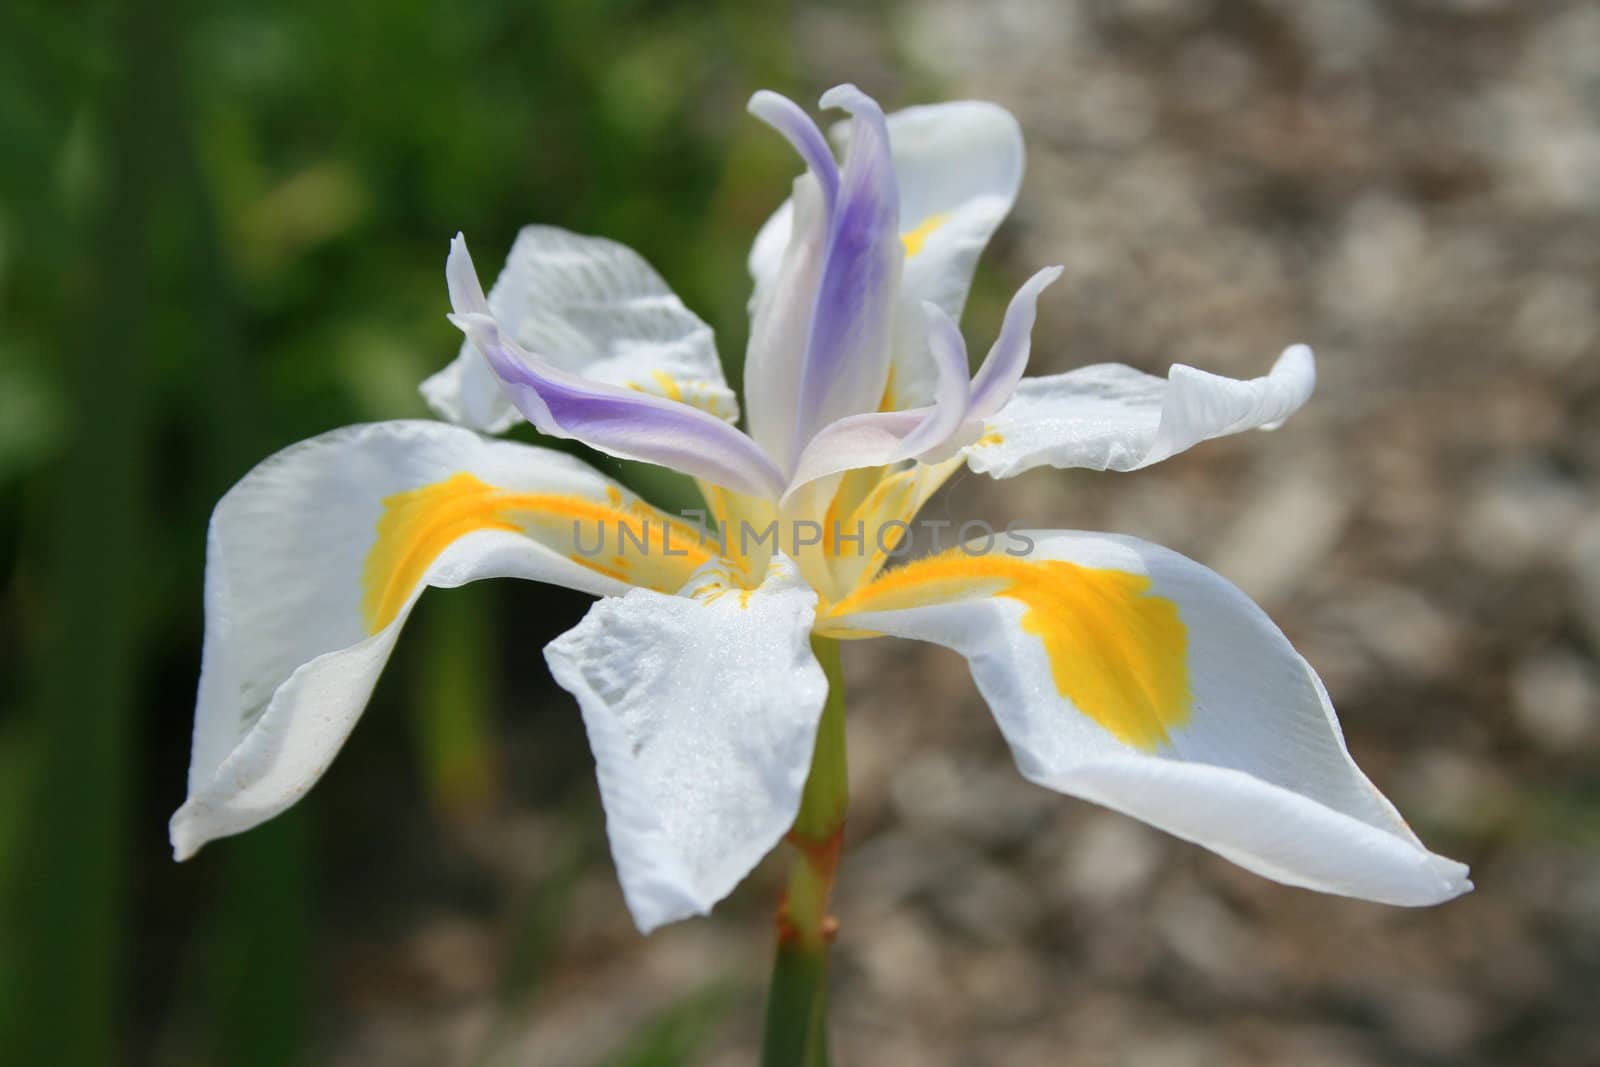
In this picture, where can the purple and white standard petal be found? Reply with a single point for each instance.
(957, 167)
(1112, 417)
(313, 562)
(1126, 674)
(787, 267)
(847, 344)
(620, 422)
(702, 712)
(595, 308)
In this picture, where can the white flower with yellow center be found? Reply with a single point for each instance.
(1118, 671)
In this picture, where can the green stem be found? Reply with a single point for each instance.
(797, 1006)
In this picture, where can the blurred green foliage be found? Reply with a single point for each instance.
(222, 228)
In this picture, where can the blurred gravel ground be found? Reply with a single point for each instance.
(1414, 189)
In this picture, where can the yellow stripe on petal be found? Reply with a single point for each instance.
(887, 402)
(875, 500)
(1116, 651)
(669, 386)
(419, 524)
(915, 239)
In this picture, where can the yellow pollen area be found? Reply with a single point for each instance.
(703, 393)
(915, 239)
(993, 437)
(418, 524)
(719, 581)
(1116, 651)
(669, 387)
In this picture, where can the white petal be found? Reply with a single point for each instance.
(630, 423)
(787, 275)
(702, 711)
(1112, 417)
(959, 166)
(313, 562)
(467, 393)
(595, 308)
(767, 250)
(848, 342)
(1126, 674)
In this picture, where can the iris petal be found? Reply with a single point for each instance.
(619, 422)
(847, 346)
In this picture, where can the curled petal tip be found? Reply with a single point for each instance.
(847, 97)
(1296, 363)
(1004, 365)
(787, 117)
(1039, 281)
(185, 837)
(764, 99)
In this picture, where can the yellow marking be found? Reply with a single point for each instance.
(718, 581)
(887, 401)
(830, 519)
(703, 393)
(915, 239)
(1116, 651)
(609, 572)
(716, 503)
(418, 524)
(889, 501)
(669, 387)
(993, 437)
(894, 495)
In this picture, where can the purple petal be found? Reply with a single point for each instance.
(785, 299)
(1008, 357)
(877, 438)
(951, 399)
(787, 117)
(847, 349)
(619, 422)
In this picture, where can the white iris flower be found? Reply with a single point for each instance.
(1118, 671)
